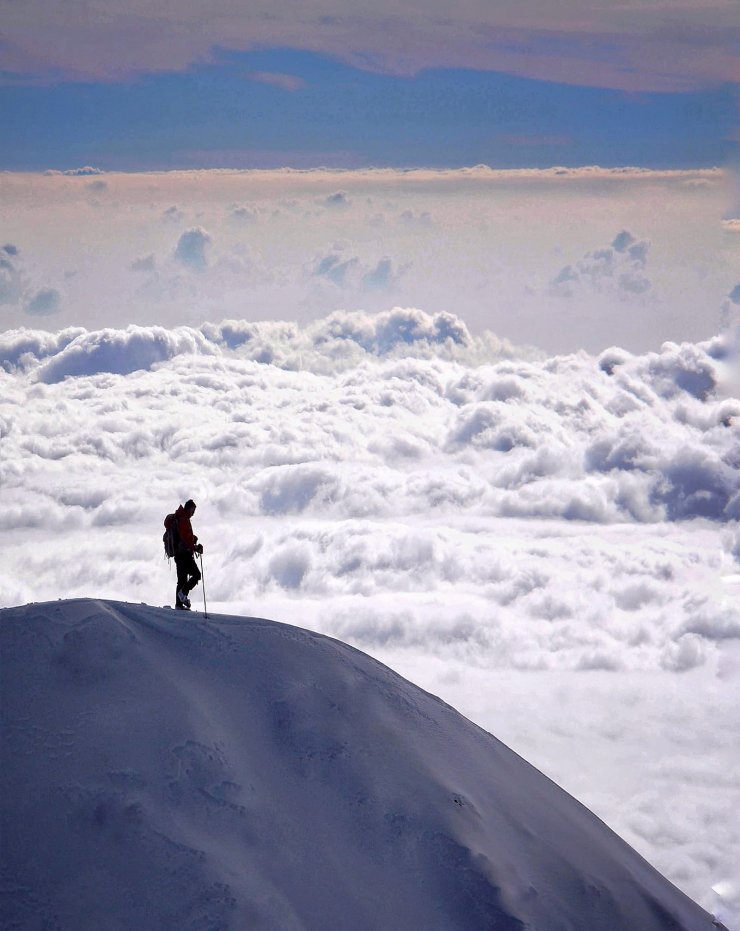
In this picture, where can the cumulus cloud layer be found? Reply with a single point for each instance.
(419, 446)
(192, 248)
(406, 413)
(644, 260)
(469, 511)
(17, 291)
(43, 302)
(618, 268)
(10, 277)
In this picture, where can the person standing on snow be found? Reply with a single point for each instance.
(188, 574)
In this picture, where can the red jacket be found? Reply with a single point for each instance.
(185, 531)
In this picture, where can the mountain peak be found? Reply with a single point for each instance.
(166, 771)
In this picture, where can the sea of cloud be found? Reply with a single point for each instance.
(548, 542)
(539, 528)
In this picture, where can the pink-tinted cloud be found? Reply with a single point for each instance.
(651, 46)
(285, 82)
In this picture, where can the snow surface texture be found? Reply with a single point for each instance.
(162, 771)
(477, 517)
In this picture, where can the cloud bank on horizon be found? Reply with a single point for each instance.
(560, 259)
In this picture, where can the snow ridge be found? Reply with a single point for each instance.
(161, 772)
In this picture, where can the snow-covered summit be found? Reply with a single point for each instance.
(170, 772)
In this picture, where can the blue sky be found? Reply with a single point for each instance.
(286, 107)
(145, 84)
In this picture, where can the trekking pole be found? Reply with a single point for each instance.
(203, 583)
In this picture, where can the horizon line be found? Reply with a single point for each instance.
(478, 170)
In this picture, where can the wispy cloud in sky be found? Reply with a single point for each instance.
(272, 109)
(286, 82)
(644, 47)
(579, 82)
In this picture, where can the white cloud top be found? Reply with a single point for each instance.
(365, 417)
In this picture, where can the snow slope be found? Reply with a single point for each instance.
(161, 771)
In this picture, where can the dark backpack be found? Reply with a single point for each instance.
(170, 537)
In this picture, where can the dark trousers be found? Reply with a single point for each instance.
(188, 573)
